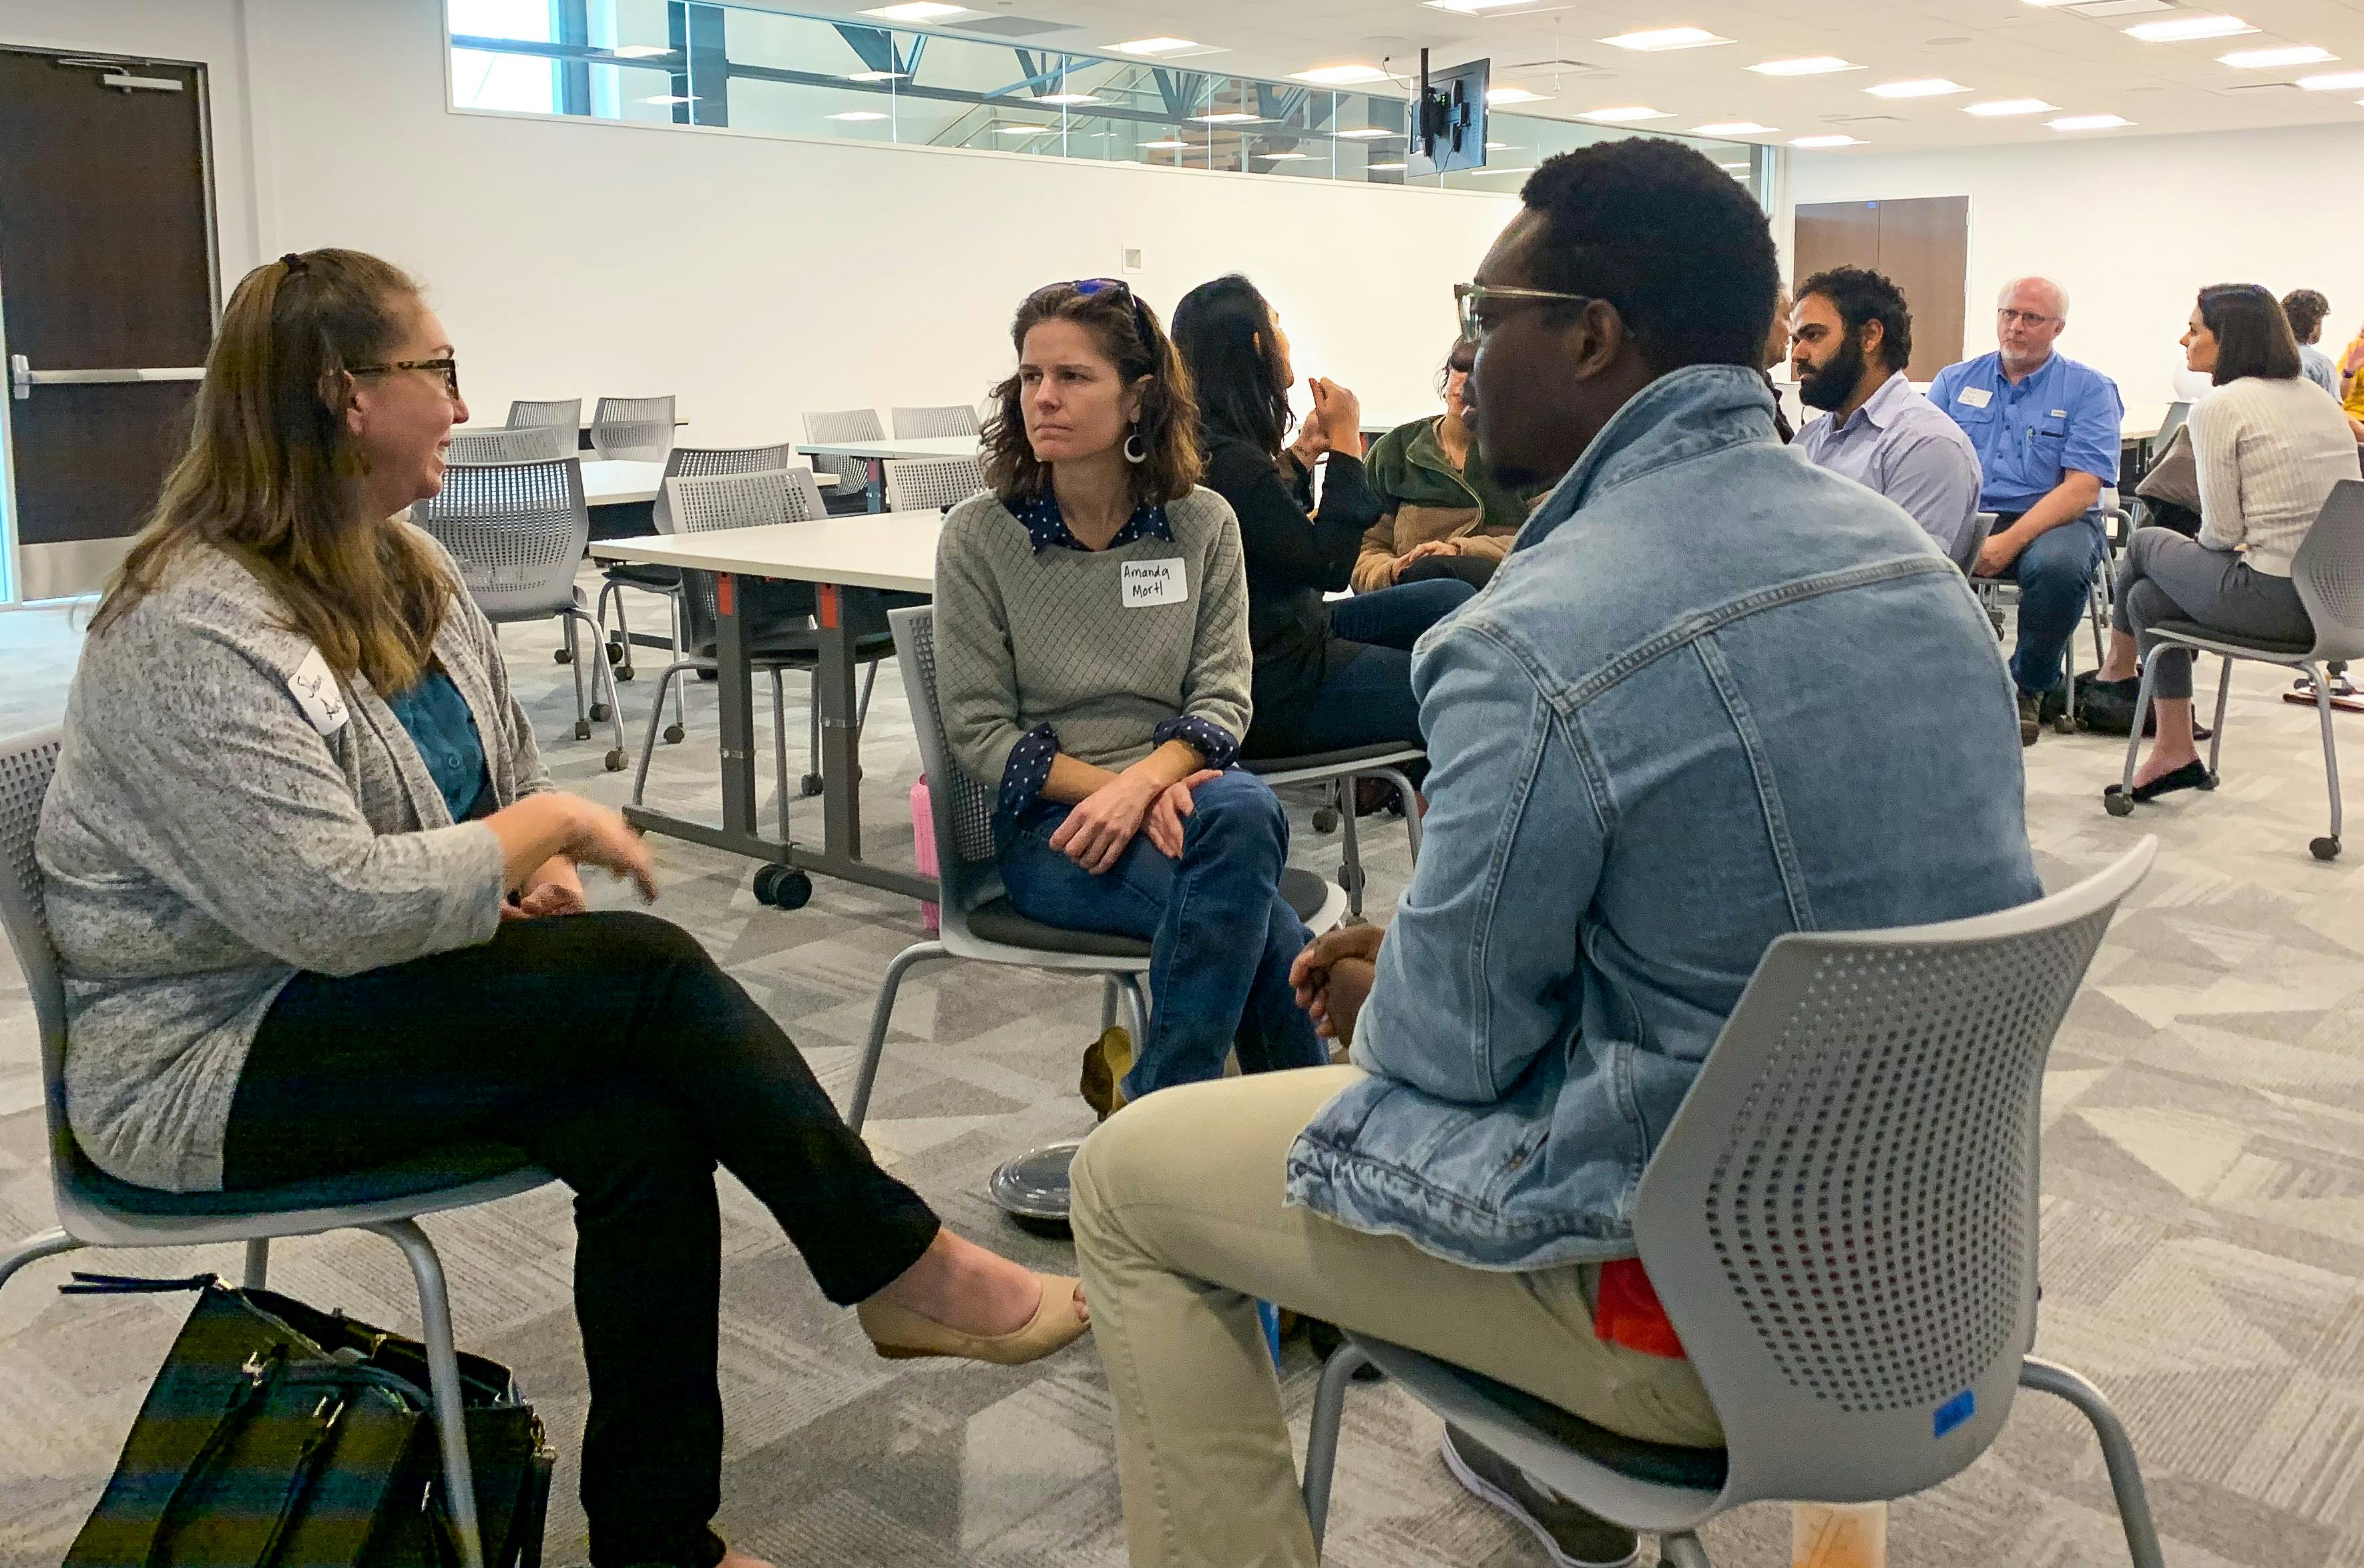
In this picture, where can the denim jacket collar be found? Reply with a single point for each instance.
(1682, 415)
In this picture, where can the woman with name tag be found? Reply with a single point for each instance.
(318, 909)
(1092, 665)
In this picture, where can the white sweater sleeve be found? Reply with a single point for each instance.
(2216, 426)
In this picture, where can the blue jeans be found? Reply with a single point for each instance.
(2055, 581)
(1367, 700)
(1220, 936)
(1394, 617)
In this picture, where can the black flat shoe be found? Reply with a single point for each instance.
(2191, 775)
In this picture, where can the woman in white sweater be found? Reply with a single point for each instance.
(2268, 446)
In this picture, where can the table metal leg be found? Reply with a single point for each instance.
(840, 765)
(735, 688)
(877, 488)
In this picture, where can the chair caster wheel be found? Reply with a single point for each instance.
(808, 785)
(2117, 806)
(616, 760)
(2325, 849)
(2065, 724)
(782, 887)
(561, 656)
(618, 655)
(710, 675)
(674, 734)
(598, 713)
(582, 730)
(621, 672)
(2211, 781)
(1325, 820)
(1351, 879)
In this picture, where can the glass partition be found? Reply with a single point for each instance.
(772, 73)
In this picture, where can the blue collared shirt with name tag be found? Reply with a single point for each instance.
(2064, 416)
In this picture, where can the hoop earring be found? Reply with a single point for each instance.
(1134, 451)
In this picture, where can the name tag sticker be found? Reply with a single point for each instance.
(1150, 582)
(1975, 396)
(313, 687)
(2061, 413)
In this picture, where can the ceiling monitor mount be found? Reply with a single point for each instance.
(1448, 119)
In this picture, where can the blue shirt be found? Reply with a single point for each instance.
(2317, 367)
(437, 718)
(2065, 415)
(1045, 524)
(1899, 444)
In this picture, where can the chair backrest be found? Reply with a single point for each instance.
(2177, 412)
(1841, 1219)
(2328, 572)
(1973, 540)
(920, 484)
(632, 429)
(524, 443)
(518, 530)
(962, 805)
(26, 765)
(701, 462)
(953, 419)
(713, 503)
(564, 413)
(844, 424)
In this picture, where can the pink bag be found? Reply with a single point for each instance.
(923, 843)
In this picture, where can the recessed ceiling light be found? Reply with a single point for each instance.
(1810, 65)
(1814, 141)
(1231, 116)
(2183, 29)
(665, 98)
(1067, 100)
(1368, 133)
(2337, 81)
(876, 75)
(639, 50)
(1500, 147)
(1654, 39)
(1622, 115)
(1339, 76)
(1923, 87)
(919, 11)
(1472, 7)
(1733, 128)
(1733, 167)
(2089, 122)
(1282, 157)
(1384, 168)
(1527, 170)
(1496, 96)
(1153, 45)
(1012, 128)
(1995, 108)
(1169, 146)
(859, 115)
(2273, 59)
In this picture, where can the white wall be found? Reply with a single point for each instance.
(755, 278)
(2134, 227)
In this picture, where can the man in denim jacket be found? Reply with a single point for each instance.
(1668, 732)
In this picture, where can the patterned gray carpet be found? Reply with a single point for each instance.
(2203, 1223)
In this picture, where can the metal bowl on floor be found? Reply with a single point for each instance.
(1032, 1189)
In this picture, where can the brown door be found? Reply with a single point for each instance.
(106, 299)
(1921, 245)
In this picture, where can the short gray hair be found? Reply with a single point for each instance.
(2059, 294)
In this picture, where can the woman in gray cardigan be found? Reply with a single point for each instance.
(318, 911)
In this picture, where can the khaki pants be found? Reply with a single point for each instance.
(1180, 1226)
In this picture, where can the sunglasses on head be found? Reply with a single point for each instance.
(1089, 288)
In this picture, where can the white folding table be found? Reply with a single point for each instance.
(891, 448)
(892, 551)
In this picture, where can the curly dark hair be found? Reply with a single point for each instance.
(2306, 308)
(1127, 333)
(1861, 295)
(1223, 330)
(1677, 244)
(2253, 337)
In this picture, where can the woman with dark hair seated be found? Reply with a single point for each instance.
(2268, 447)
(1442, 514)
(1328, 676)
(1092, 664)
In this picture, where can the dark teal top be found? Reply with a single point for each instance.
(440, 725)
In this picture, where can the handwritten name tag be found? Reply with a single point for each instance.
(1150, 582)
(1975, 396)
(314, 687)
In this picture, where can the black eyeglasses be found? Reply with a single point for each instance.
(446, 367)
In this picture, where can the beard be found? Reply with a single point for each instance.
(1835, 382)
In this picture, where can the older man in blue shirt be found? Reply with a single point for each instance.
(2047, 433)
(1851, 337)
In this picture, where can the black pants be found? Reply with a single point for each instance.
(611, 1051)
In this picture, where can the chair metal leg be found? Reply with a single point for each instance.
(869, 682)
(780, 750)
(574, 663)
(2117, 1453)
(680, 651)
(444, 1381)
(2134, 733)
(1682, 1551)
(656, 716)
(2322, 711)
(33, 1248)
(1410, 798)
(1108, 1003)
(875, 1046)
(257, 1273)
(603, 676)
(2217, 730)
(1350, 856)
(1321, 1435)
(1136, 1012)
(624, 627)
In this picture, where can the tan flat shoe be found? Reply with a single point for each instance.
(899, 1333)
(1106, 1061)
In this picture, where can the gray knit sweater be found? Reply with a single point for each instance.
(1024, 640)
(203, 841)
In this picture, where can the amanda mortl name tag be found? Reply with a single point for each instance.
(1155, 583)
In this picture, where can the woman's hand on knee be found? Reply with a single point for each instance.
(1100, 825)
(1165, 819)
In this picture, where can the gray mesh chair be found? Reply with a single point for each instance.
(953, 419)
(1842, 1223)
(517, 532)
(852, 472)
(977, 923)
(2328, 572)
(562, 413)
(915, 484)
(1338, 771)
(525, 443)
(779, 635)
(1966, 552)
(95, 1209)
(632, 429)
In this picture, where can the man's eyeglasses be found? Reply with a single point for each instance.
(446, 367)
(1469, 298)
(2023, 318)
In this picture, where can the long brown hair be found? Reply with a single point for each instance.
(266, 474)
(1127, 332)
